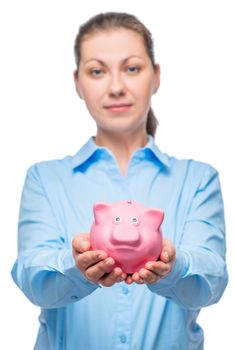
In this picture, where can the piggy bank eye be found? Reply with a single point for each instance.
(134, 221)
(117, 220)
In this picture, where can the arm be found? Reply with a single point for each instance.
(197, 276)
(45, 269)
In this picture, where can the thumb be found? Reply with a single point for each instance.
(168, 251)
(81, 243)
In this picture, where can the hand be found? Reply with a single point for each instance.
(155, 270)
(95, 265)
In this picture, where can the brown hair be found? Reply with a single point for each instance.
(110, 20)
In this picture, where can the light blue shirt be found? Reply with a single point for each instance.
(57, 203)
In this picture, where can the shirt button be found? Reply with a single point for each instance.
(123, 338)
(125, 290)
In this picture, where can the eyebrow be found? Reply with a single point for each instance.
(103, 63)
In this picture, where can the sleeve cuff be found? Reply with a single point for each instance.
(71, 271)
(179, 270)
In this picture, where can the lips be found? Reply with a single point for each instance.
(118, 107)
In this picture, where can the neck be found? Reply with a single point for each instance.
(121, 145)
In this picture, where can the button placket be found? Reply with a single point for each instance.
(124, 316)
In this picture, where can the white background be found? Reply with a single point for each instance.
(42, 118)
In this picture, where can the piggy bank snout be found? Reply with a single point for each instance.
(125, 235)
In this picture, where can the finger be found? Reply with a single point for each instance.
(158, 267)
(136, 278)
(140, 281)
(87, 259)
(129, 279)
(115, 276)
(97, 271)
(81, 243)
(168, 251)
(149, 277)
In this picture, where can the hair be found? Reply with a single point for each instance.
(112, 20)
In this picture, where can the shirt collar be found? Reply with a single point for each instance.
(162, 157)
(90, 147)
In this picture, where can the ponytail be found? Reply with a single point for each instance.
(152, 123)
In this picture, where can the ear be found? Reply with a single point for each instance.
(154, 217)
(101, 211)
(157, 78)
(77, 84)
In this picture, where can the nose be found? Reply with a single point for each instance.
(128, 236)
(117, 87)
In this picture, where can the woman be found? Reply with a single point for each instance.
(83, 305)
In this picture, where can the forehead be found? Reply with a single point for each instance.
(115, 42)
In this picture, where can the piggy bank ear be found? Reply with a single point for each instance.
(101, 211)
(154, 217)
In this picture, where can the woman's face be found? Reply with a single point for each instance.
(116, 79)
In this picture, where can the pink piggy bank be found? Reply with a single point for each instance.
(128, 232)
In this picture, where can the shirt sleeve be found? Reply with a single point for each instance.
(45, 269)
(199, 276)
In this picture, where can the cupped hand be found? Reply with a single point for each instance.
(156, 270)
(95, 265)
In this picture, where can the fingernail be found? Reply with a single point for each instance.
(84, 245)
(166, 256)
(117, 272)
(109, 261)
(102, 256)
(149, 267)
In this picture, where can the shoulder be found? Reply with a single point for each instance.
(194, 171)
(51, 168)
(174, 165)
(67, 164)
(196, 165)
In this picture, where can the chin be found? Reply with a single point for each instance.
(126, 128)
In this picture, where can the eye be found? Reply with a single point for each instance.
(133, 69)
(96, 72)
(117, 220)
(134, 221)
